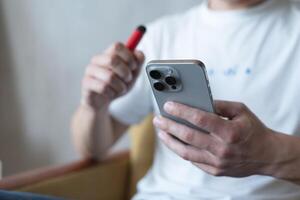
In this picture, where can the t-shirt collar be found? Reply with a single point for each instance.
(222, 17)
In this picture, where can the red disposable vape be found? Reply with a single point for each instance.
(135, 37)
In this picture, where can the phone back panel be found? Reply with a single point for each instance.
(192, 85)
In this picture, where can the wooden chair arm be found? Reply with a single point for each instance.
(38, 175)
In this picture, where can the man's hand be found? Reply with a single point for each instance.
(238, 143)
(110, 75)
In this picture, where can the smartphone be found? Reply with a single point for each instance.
(181, 81)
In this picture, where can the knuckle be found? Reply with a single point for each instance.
(117, 46)
(184, 153)
(199, 119)
(233, 135)
(110, 76)
(224, 152)
(242, 107)
(188, 135)
(114, 60)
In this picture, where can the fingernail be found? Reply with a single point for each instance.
(168, 106)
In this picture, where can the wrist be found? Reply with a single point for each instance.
(273, 156)
(94, 110)
(99, 106)
(283, 156)
(267, 153)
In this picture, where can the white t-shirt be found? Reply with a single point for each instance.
(252, 56)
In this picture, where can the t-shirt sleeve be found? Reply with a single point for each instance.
(137, 103)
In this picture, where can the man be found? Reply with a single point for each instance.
(252, 53)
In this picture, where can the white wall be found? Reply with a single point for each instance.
(44, 47)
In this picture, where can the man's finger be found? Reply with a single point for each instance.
(122, 51)
(187, 152)
(99, 87)
(186, 134)
(114, 63)
(108, 77)
(204, 120)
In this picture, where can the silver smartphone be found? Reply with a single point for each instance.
(182, 81)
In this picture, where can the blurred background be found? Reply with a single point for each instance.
(44, 48)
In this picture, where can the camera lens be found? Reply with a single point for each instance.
(159, 86)
(155, 74)
(170, 80)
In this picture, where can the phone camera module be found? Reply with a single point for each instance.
(170, 80)
(159, 86)
(155, 74)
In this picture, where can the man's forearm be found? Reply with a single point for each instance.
(92, 131)
(286, 158)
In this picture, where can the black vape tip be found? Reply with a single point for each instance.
(142, 28)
